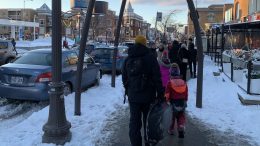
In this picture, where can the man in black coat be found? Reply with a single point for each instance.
(142, 81)
(193, 58)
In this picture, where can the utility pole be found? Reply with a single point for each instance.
(81, 56)
(113, 79)
(56, 130)
(194, 17)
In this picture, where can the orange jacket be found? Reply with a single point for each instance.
(176, 89)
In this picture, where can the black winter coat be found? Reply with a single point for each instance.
(192, 52)
(174, 52)
(150, 68)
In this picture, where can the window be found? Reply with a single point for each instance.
(88, 59)
(35, 59)
(72, 59)
(3, 45)
(237, 11)
(42, 22)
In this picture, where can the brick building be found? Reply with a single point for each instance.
(207, 17)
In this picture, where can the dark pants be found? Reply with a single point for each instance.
(192, 64)
(183, 70)
(137, 112)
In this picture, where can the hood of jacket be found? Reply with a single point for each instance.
(138, 50)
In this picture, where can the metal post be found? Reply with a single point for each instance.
(79, 26)
(56, 130)
(113, 79)
(194, 17)
(212, 43)
(81, 56)
(232, 69)
(216, 46)
(34, 28)
(249, 67)
(222, 45)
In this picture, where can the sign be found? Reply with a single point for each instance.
(79, 4)
(159, 16)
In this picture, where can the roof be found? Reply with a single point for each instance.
(129, 7)
(48, 50)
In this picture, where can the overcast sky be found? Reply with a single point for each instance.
(145, 8)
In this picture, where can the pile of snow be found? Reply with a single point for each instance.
(43, 42)
(97, 104)
(221, 106)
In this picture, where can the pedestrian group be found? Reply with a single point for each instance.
(157, 72)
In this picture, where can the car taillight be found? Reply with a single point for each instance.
(45, 77)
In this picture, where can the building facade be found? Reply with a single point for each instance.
(207, 17)
(240, 11)
(228, 13)
(45, 20)
(29, 15)
(132, 23)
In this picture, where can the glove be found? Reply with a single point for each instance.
(168, 103)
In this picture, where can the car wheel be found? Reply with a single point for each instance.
(9, 60)
(67, 89)
(98, 78)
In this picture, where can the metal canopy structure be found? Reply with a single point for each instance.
(7, 22)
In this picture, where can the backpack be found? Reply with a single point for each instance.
(136, 76)
(179, 89)
(154, 127)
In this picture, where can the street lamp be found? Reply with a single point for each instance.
(169, 16)
(56, 130)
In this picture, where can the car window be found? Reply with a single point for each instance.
(72, 58)
(35, 58)
(88, 59)
(102, 51)
(3, 45)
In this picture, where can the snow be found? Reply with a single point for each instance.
(221, 106)
(42, 42)
(221, 110)
(97, 105)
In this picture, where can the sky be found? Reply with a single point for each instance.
(146, 8)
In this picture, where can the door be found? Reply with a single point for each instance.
(90, 70)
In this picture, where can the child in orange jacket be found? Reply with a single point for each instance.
(176, 94)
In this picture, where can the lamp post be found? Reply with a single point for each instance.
(117, 42)
(194, 17)
(56, 130)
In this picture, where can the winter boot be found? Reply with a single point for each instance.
(181, 131)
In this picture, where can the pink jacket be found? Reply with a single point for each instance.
(165, 74)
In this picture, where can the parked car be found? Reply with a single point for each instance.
(27, 77)
(129, 43)
(7, 53)
(104, 55)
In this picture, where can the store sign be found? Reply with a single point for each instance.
(79, 4)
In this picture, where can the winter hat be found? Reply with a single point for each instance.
(174, 70)
(140, 40)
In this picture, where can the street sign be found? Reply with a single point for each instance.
(159, 16)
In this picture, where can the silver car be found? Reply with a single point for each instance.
(7, 53)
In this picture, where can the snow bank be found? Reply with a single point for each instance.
(43, 42)
(221, 107)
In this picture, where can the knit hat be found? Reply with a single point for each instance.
(140, 40)
(174, 70)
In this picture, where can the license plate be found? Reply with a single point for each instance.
(17, 80)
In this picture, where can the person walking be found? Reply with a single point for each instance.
(142, 82)
(14, 45)
(193, 58)
(174, 52)
(164, 63)
(176, 95)
(184, 60)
